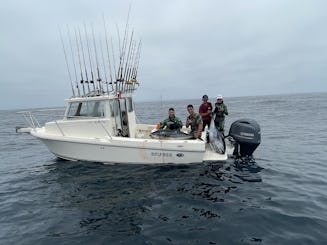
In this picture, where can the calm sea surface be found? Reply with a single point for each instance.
(279, 199)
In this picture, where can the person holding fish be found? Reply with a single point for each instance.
(172, 122)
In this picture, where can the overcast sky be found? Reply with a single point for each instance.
(189, 47)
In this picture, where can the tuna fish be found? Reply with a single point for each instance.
(216, 138)
(170, 134)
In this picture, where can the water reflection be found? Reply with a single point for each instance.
(104, 198)
(123, 200)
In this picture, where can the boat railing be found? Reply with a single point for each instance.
(36, 118)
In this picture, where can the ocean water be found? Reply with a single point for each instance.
(281, 198)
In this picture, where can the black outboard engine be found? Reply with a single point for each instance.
(247, 136)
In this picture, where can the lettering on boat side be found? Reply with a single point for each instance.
(180, 154)
(161, 154)
(142, 131)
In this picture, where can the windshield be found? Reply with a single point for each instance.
(86, 109)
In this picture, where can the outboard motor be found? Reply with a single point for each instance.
(247, 136)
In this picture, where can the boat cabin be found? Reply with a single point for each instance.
(97, 116)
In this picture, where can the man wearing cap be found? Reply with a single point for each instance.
(220, 112)
(205, 111)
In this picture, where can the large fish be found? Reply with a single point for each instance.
(216, 138)
(170, 134)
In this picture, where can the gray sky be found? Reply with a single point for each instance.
(189, 47)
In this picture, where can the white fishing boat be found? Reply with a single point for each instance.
(103, 129)
(100, 124)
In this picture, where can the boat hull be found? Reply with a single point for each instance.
(126, 150)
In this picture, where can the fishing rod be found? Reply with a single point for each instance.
(118, 36)
(96, 59)
(128, 58)
(119, 71)
(138, 59)
(114, 61)
(130, 67)
(122, 55)
(136, 55)
(107, 46)
(122, 81)
(64, 49)
(137, 62)
(79, 61)
(73, 59)
(135, 68)
(104, 65)
(89, 54)
(83, 56)
(118, 76)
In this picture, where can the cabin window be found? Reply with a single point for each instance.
(86, 109)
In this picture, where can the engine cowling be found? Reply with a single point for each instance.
(247, 136)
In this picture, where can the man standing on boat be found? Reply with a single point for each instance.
(205, 111)
(195, 121)
(220, 112)
(172, 122)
